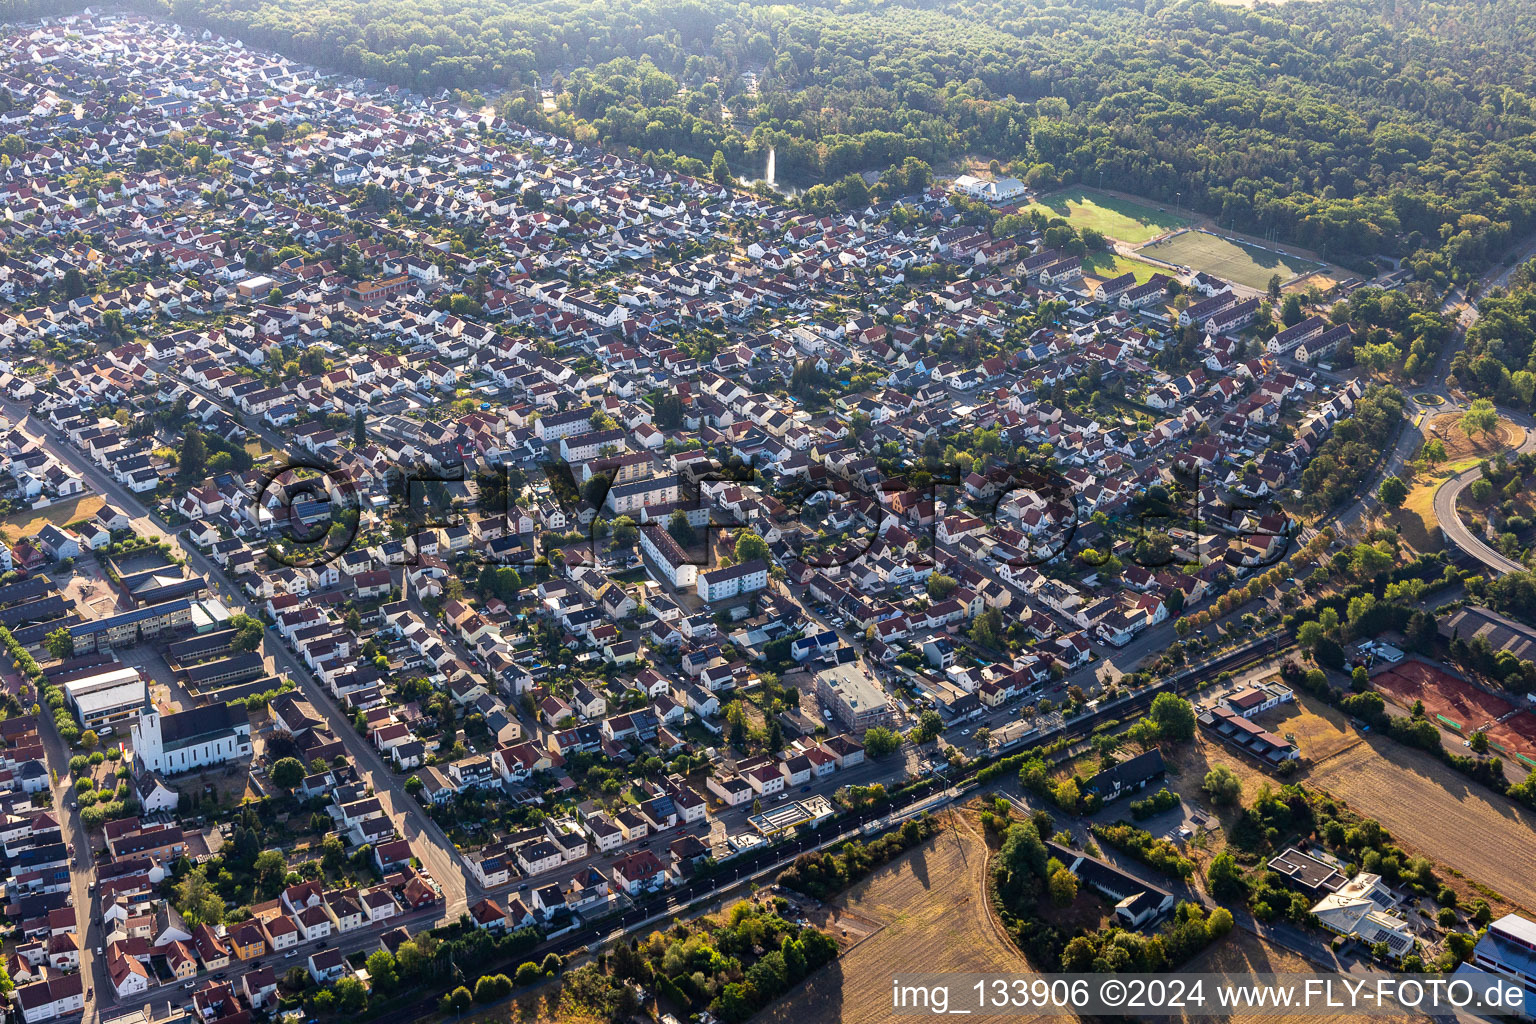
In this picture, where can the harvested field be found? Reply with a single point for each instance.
(1458, 446)
(1466, 707)
(1428, 808)
(1433, 810)
(1321, 732)
(1241, 955)
(930, 908)
(1416, 519)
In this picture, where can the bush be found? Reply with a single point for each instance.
(820, 874)
(880, 741)
(1145, 847)
(1157, 803)
(492, 987)
(1223, 785)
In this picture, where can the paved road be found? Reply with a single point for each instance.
(1455, 529)
(81, 871)
(428, 842)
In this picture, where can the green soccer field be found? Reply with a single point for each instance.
(1115, 218)
(1228, 258)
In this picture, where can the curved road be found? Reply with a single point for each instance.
(1451, 524)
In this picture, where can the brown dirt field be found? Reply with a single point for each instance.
(1428, 808)
(1432, 810)
(1320, 731)
(1463, 703)
(1442, 694)
(25, 524)
(1242, 954)
(1447, 427)
(931, 906)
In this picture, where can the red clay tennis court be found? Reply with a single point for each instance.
(1460, 705)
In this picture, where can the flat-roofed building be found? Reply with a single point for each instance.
(106, 697)
(1308, 872)
(854, 698)
(1508, 948)
(129, 628)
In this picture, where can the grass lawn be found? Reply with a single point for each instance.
(1236, 261)
(1416, 519)
(1121, 219)
(25, 524)
(1104, 265)
(1446, 427)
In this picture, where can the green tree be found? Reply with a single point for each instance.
(1393, 492)
(287, 773)
(1290, 310)
(350, 994)
(625, 532)
(1225, 877)
(1063, 887)
(719, 171)
(271, 872)
(1480, 418)
(248, 632)
(60, 643)
(460, 999)
(929, 724)
(1222, 785)
(941, 586)
(1174, 716)
(880, 741)
(382, 970)
(192, 463)
(196, 899)
(750, 546)
(680, 528)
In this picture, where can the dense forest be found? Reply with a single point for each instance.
(1352, 127)
(1499, 358)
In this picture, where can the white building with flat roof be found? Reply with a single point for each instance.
(114, 695)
